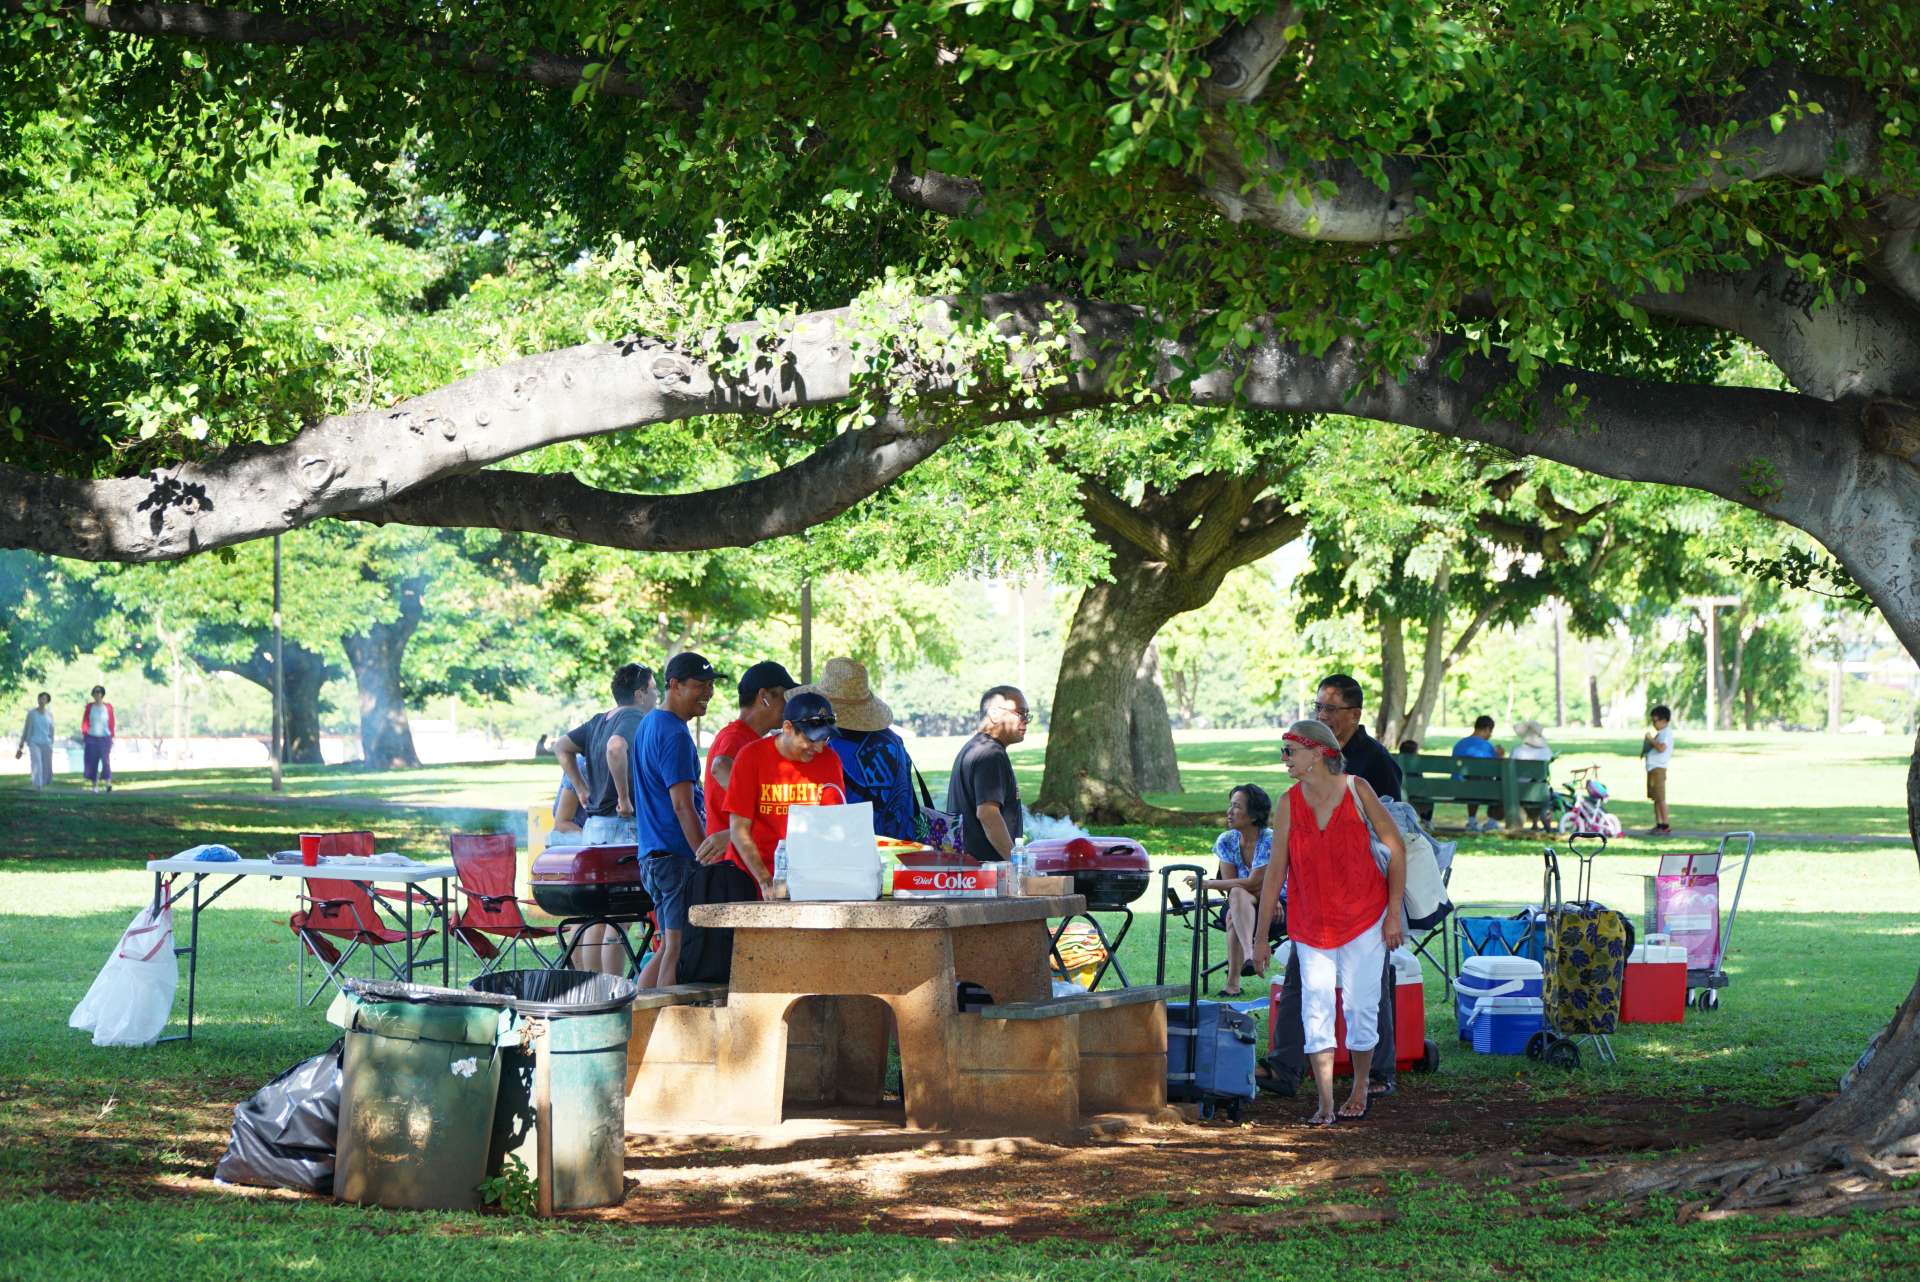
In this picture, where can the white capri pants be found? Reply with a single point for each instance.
(1354, 969)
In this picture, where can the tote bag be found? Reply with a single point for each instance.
(831, 852)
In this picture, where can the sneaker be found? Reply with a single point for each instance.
(1661, 830)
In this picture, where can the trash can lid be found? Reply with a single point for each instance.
(553, 994)
(421, 1013)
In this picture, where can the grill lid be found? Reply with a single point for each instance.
(1060, 856)
(587, 866)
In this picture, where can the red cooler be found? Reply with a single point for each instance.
(1411, 1049)
(1655, 991)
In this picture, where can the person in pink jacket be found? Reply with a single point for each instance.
(96, 731)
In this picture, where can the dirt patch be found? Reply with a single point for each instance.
(1247, 1175)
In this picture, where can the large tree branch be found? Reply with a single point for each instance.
(1240, 61)
(818, 488)
(1794, 456)
(1117, 516)
(210, 25)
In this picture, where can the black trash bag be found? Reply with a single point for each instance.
(284, 1136)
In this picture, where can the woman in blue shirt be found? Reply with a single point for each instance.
(1243, 850)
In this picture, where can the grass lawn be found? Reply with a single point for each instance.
(104, 1153)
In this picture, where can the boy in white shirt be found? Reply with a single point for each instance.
(1656, 748)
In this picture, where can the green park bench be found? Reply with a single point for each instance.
(1487, 781)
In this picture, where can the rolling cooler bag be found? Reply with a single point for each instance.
(1211, 1047)
(1585, 969)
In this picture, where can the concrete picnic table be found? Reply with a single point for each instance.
(817, 986)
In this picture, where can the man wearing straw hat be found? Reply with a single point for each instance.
(871, 754)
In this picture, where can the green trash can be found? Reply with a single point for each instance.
(419, 1083)
(563, 1085)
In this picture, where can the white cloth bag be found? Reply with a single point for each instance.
(132, 997)
(831, 853)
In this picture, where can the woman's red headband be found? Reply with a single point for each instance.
(1305, 742)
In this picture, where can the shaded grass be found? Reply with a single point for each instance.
(1823, 951)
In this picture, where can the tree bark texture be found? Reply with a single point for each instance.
(1156, 766)
(1391, 715)
(386, 737)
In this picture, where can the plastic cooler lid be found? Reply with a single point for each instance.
(1502, 968)
(1512, 1005)
(1656, 955)
(1406, 967)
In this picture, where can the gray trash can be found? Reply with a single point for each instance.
(419, 1083)
(563, 1084)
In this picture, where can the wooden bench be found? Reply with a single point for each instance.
(1487, 781)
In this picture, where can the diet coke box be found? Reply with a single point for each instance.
(981, 882)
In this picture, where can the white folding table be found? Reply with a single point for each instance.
(333, 867)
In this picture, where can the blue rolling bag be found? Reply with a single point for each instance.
(1211, 1047)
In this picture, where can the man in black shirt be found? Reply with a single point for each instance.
(982, 789)
(1339, 707)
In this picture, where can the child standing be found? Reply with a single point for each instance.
(1656, 748)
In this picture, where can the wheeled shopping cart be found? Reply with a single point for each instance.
(1683, 903)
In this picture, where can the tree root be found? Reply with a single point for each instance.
(1822, 1176)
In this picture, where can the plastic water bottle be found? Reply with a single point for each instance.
(779, 890)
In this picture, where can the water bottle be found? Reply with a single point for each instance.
(779, 890)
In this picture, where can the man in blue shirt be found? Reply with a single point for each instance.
(669, 809)
(1480, 744)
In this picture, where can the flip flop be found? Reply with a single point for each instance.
(1380, 1090)
(1322, 1121)
(1361, 1116)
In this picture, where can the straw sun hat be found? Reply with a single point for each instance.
(847, 687)
(1532, 734)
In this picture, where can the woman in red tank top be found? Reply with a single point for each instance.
(1343, 912)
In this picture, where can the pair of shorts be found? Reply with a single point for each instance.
(666, 875)
(607, 830)
(1657, 784)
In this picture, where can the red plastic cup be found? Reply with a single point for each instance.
(310, 849)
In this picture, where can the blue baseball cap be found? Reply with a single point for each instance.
(811, 715)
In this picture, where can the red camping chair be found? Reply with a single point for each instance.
(491, 912)
(345, 910)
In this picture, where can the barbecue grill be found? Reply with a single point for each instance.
(593, 886)
(1110, 872)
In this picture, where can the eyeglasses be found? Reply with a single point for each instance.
(1023, 715)
(1319, 708)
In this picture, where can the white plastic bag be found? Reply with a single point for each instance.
(831, 852)
(132, 997)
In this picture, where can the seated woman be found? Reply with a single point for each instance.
(1343, 913)
(1243, 850)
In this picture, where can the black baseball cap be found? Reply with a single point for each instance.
(765, 675)
(811, 715)
(688, 666)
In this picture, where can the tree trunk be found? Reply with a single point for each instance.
(307, 672)
(386, 740)
(1593, 698)
(1156, 766)
(1090, 740)
(1393, 682)
(1746, 697)
(1861, 1150)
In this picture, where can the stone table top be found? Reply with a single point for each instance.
(884, 914)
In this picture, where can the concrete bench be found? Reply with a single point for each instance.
(1039, 1066)
(680, 995)
(1080, 1003)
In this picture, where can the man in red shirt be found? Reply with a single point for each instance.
(763, 697)
(794, 768)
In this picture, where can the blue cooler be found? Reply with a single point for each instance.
(1487, 978)
(1502, 1025)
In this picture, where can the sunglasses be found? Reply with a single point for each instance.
(814, 723)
